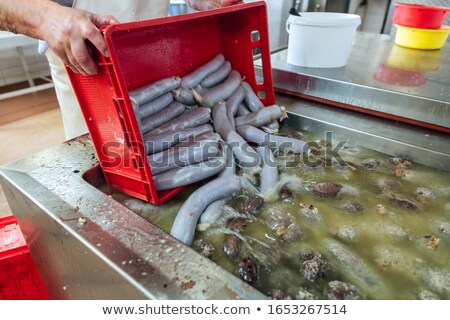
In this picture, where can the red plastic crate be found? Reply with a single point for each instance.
(145, 51)
(19, 279)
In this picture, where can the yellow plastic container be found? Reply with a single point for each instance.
(427, 39)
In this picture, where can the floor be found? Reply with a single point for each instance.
(28, 124)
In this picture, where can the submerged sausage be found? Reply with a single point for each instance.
(186, 220)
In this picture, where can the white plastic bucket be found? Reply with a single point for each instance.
(321, 39)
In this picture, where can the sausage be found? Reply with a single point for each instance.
(209, 97)
(217, 76)
(245, 154)
(153, 90)
(192, 119)
(189, 174)
(195, 77)
(258, 136)
(262, 117)
(185, 223)
(152, 107)
(157, 143)
(172, 111)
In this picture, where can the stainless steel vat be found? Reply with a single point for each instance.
(86, 245)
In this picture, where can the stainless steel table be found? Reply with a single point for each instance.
(380, 78)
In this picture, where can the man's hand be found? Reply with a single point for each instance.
(66, 30)
(210, 4)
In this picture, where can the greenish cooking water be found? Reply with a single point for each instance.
(383, 248)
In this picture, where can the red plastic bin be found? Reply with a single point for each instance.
(145, 51)
(419, 15)
(19, 278)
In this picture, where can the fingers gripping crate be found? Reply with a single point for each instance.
(146, 51)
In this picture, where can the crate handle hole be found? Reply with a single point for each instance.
(261, 94)
(255, 36)
(260, 79)
(256, 51)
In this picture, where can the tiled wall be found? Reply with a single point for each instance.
(11, 70)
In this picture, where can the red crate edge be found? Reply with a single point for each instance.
(19, 278)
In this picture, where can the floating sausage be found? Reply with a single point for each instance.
(269, 171)
(211, 214)
(186, 220)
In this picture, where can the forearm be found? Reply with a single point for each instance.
(210, 4)
(25, 16)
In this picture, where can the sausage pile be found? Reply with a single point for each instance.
(198, 126)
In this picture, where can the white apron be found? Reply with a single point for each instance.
(124, 11)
